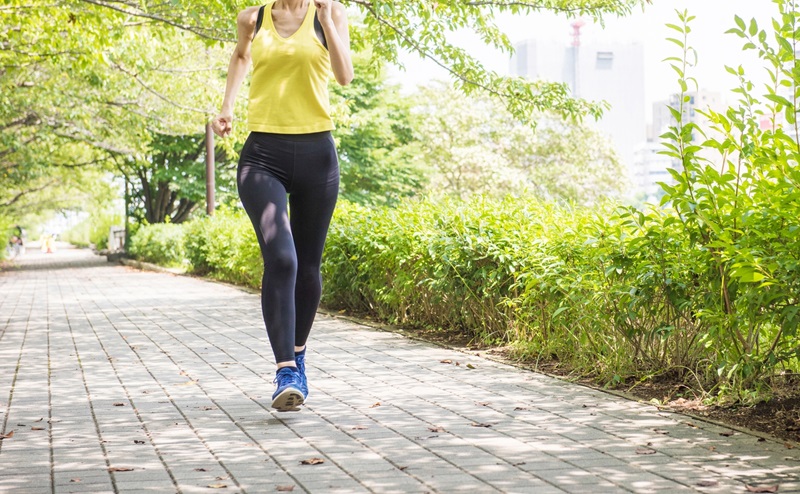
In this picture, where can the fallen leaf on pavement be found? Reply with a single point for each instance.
(375, 405)
(446, 361)
(727, 433)
(138, 441)
(691, 425)
(37, 428)
(706, 483)
(226, 477)
(483, 403)
(207, 408)
(360, 427)
(470, 366)
(789, 445)
(480, 424)
(521, 409)
(458, 363)
(8, 435)
(313, 461)
(75, 480)
(645, 451)
(200, 470)
(120, 469)
(436, 429)
(119, 404)
(285, 488)
(40, 419)
(402, 469)
(217, 486)
(762, 488)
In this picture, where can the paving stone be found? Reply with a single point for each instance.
(103, 356)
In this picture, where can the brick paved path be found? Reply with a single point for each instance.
(118, 380)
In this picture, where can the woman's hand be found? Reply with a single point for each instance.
(323, 10)
(223, 124)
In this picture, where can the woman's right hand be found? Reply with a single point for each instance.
(222, 124)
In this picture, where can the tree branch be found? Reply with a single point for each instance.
(159, 95)
(139, 13)
(17, 197)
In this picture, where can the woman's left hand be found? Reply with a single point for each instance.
(323, 10)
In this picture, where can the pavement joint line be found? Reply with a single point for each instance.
(167, 393)
(132, 403)
(387, 328)
(17, 367)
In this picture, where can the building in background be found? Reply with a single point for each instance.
(594, 69)
(649, 166)
(698, 100)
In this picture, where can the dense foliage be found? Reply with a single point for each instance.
(160, 243)
(88, 84)
(225, 247)
(737, 203)
(472, 145)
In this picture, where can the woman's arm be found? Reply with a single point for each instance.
(237, 69)
(333, 18)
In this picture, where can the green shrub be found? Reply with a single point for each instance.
(6, 231)
(225, 247)
(738, 202)
(93, 230)
(161, 243)
(604, 289)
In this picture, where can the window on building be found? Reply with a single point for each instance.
(605, 60)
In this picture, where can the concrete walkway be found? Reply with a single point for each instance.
(118, 380)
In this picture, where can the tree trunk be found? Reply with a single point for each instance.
(185, 208)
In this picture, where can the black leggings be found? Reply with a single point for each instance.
(305, 167)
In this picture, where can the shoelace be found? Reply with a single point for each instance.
(283, 377)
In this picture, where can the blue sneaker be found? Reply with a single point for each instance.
(288, 397)
(300, 360)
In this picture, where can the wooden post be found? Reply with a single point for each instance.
(210, 186)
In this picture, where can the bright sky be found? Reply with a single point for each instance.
(715, 48)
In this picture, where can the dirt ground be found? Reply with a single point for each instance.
(778, 417)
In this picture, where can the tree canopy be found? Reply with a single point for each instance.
(87, 83)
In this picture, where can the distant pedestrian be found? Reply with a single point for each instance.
(294, 46)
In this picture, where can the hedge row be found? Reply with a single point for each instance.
(611, 291)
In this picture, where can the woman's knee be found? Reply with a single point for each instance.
(281, 262)
(308, 274)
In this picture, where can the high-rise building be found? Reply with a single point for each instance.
(698, 100)
(650, 167)
(594, 70)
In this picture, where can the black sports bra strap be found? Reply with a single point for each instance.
(259, 20)
(320, 32)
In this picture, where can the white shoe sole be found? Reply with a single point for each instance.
(289, 400)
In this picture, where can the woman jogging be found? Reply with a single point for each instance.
(294, 46)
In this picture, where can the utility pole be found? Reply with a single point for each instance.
(210, 185)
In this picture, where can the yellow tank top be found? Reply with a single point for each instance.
(289, 86)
